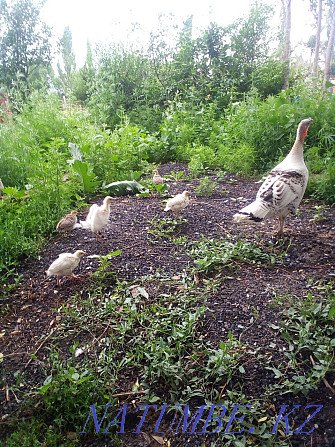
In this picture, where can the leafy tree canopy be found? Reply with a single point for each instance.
(24, 41)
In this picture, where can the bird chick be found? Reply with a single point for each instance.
(178, 203)
(68, 222)
(65, 264)
(284, 187)
(98, 216)
(157, 179)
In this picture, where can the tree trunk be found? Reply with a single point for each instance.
(287, 42)
(317, 41)
(329, 51)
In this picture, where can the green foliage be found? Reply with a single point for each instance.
(187, 126)
(86, 175)
(308, 328)
(322, 185)
(206, 70)
(210, 255)
(68, 59)
(33, 157)
(239, 159)
(268, 77)
(103, 272)
(165, 230)
(24, 42)
(116, 154)
(12, 193)
(213, 102)
(203, 158)
(121, 85)
(162, 189)
(249, 45)
(206, 187)
(35, 433)
(170, 358)
(66, 389)
(176, 175)
(258, 133)
(8, 281)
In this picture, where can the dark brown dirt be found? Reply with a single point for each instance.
(30, 310)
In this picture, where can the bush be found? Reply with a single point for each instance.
(240, 159)
(203, 159)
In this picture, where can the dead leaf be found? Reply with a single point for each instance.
(158, 439)
(138, 290)
(1, 357)
(263, 419)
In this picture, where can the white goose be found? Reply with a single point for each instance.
(283, 189)
(98, 216)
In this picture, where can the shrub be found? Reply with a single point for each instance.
(203, 158)
(240, 159)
